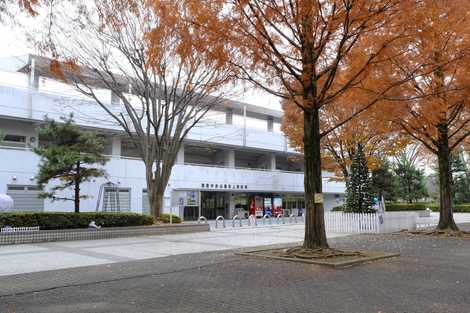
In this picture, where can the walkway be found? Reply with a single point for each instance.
(60, 255)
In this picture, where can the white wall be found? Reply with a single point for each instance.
(397, 221)
(130, 173)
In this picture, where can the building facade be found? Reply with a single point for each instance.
(234, 161)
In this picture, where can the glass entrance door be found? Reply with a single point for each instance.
(213, 204)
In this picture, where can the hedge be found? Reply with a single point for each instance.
(67, 220)
(410, 206)
(337, 208)
(391, 207)
(165, 218)
(459, 208)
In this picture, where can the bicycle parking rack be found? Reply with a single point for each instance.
(219, 218)
(292, 216)
(279, 218)
(267, 217)
(202, 219)
(236, 218)
(252, 220)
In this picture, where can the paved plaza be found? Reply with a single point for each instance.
(27, 258)
(432, 275)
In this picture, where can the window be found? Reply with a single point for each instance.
(26, 197)
(145, 202)
(14, 141)
(116, 199)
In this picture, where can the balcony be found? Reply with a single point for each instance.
(23, 103)
(205, 177)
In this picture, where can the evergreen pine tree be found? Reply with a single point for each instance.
(409, 179)
(68, 157)
(359, 192)
(383, 182)
(460, 178)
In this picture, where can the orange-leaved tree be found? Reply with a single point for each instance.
(8, 7)
(434, 108)
(378, 137)
(313, 53)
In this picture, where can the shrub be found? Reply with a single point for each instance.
(337, 208)
(165, 218)
(462, 208)
(67, 220)
(409, 206)
(458, 208)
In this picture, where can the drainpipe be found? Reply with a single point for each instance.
(33, 85)
(244, 125)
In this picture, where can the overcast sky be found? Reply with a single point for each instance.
(13, 42)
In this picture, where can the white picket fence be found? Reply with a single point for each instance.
(339, 222)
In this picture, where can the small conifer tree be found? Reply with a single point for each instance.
(359, 191)
(68, 156)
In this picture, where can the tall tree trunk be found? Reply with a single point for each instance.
(154, 193)
(446, 217)
(345, 175)
(315, 234)
(155, 200)
(77, 189)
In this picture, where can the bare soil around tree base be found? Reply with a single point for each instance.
(334, 258)
(439, 233)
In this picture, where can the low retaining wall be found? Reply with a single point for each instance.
(396, 221)
(9, 238)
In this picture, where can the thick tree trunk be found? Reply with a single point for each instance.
(315, 234)
(156, 202)
(155, 191)
(77, 189)
(446, 217)
(346, 176)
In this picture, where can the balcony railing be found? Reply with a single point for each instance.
(5, 147)
(243, 168)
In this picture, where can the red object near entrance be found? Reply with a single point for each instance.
(277, 210)
(253, 207)
(277, 206)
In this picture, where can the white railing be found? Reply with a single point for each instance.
(18, 229)
(426, 225)
(339, 222)
(243, 168)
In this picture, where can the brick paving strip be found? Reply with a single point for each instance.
(431, 275)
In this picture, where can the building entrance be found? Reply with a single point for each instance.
(214, 204)
(228, 204)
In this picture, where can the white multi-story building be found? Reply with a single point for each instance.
(235, 157)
